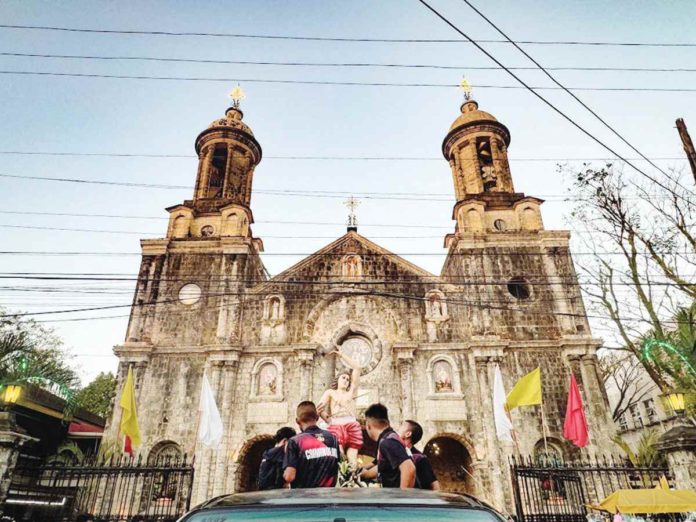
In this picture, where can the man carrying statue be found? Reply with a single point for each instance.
(337, 407)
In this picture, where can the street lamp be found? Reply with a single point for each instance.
(675, 400)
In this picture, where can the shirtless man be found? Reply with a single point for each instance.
(337, 407)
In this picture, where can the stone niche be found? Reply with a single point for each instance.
(273, 321)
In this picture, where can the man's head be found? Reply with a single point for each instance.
(376, 420)
(282, 435)
(307, 415)
(410, 432)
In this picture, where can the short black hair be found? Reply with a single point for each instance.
(307, 411)
(416, 431)
(377, 411)
(285, 432)
(84, 517)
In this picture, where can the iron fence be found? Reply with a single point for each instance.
(114, 490)
(561, 491)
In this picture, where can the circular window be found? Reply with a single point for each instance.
(190, 294)
(499, 225)
(207, 231)
(359, 350)
(519, 288)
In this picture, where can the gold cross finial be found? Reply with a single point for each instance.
(237, 96)
(465, 86)
(352, 204)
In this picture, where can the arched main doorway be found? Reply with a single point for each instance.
(249, 462)
(451, 463)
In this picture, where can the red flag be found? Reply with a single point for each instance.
(128, 446)
(575, 425)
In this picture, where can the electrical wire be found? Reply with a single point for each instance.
(548, 103)
(559, 84)
(339, 39)
(341, 64)
(312, 158)
(333, 82)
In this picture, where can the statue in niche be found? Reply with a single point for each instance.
(352, 266)
(338, 408)
(268, 380)
(442, 375)
(275, 309)
(435, 306)
(435, 314)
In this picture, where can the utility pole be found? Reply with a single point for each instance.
(688, 145)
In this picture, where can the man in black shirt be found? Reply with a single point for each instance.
(311, 457)
(393, 465)
(411, 433)
(271, 469)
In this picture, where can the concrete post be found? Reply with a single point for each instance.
(11, 440)
(679, 446)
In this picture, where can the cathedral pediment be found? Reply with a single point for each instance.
(351, 258)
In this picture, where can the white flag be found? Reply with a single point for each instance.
(210, 424)
(503, 424)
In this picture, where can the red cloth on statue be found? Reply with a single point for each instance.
(349, 435)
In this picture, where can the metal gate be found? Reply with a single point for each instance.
(112, 490)
(561, 491)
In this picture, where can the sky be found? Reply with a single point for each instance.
(62, 114)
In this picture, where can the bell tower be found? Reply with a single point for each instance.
(227, 153)
(476, 148)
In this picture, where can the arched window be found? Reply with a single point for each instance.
(181, 227)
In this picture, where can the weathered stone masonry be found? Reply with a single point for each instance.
(507, 295)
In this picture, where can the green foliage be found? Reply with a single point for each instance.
(33, 354)
(645, 454)
(67, 454)
(98, 395)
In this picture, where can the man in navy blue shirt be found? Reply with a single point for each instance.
(393, 465)
(271, 469)
(311, 457)
(411, 433)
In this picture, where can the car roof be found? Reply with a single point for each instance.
(338, 496)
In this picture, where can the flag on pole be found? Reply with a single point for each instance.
(503, 425)
(210, 425)
(575, 425)
(129, 418)
(526, 392)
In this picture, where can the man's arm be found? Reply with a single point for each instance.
(408, 474)
(289, 475)
(369, 472)
(355, 375)
(435, 485)
(323, 406)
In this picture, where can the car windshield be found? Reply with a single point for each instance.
(345, 514)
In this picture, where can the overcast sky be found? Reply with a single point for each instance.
(98, 115)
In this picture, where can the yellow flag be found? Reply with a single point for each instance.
(129, 419)
(526, 392)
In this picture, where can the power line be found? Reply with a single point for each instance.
(333, 82)
(397, 196)
(322, 158)
(341, 64)
(554, 80)
(341, 39)
(545, 101)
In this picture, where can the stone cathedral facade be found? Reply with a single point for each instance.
(507, 295)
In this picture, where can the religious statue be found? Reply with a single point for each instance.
(337, 407)
(443, 377)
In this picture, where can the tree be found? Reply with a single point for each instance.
(644, 244)
(98, 395)
(33, 354)
(625, 374)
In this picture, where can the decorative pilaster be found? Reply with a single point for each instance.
(305, 357)
(404, 359)
(229, 381)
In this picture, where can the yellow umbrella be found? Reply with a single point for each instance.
(656, 500)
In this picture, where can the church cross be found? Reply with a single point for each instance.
(352, 204)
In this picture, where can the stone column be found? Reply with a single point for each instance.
(305, 358)
(483, 369)
(679, 446)
(229, 379)
(600, 421)
(405, 374)
(204, 172)
(12, 439)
